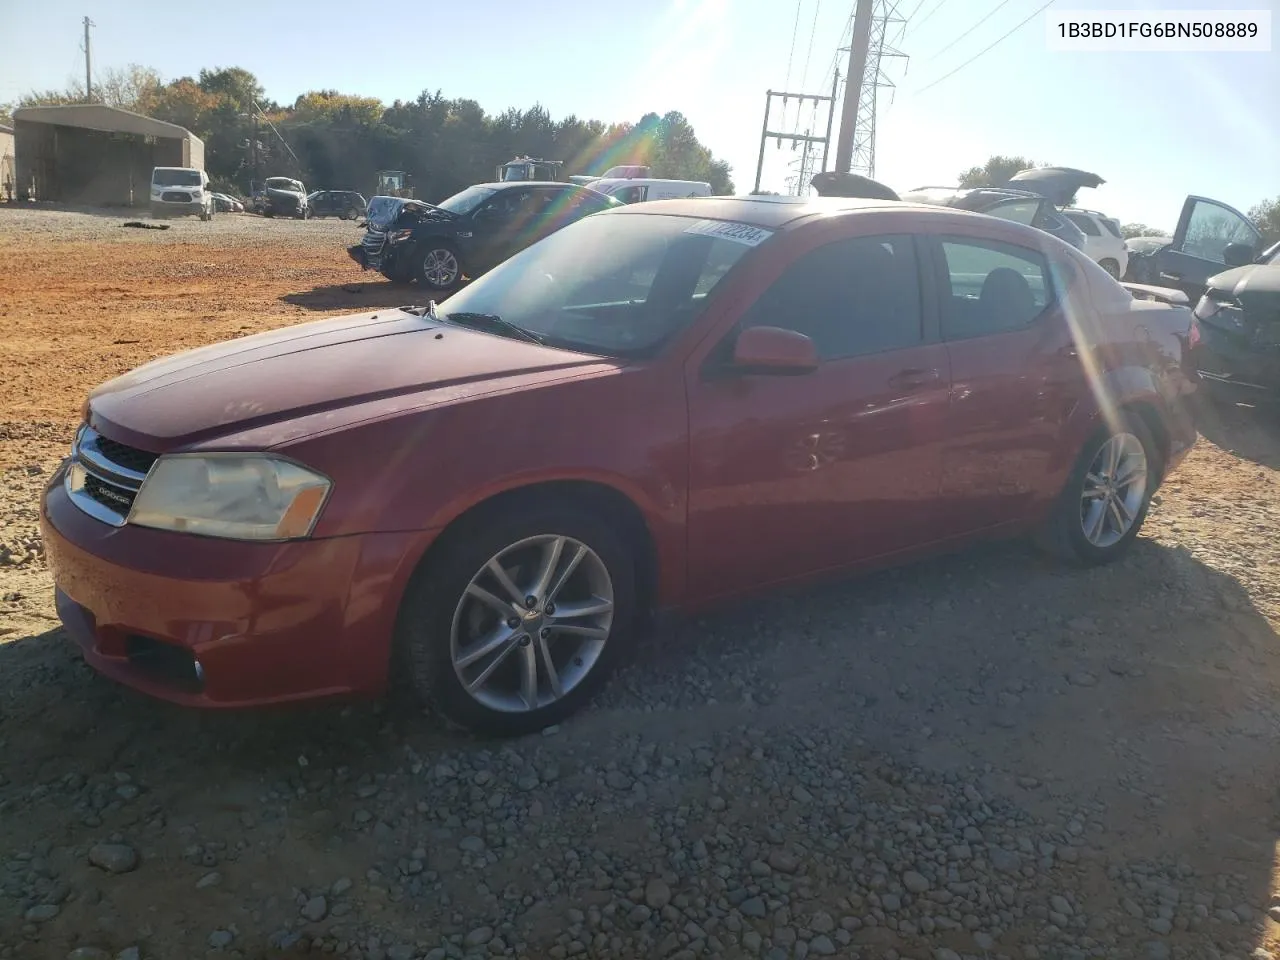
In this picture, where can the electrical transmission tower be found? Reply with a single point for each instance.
(856, 148)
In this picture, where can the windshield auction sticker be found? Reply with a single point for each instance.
(742, 233)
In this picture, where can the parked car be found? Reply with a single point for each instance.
(225, 203)
(659, 407)
(642, 190)
(1210, 237)
(283, 197)
(1019, 206)
(470, 232)
(1143, 260)
(343, 204)
(181, 192)
(1103, 242)
(1238, 354)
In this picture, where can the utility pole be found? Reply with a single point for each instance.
(88, 65)
(853, 86)
(796, 138)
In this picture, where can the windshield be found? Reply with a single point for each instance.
(616, 285)
(466, 201)
(176, 178)
(284, 183)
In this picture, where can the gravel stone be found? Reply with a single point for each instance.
(315, 909)
(113, 857)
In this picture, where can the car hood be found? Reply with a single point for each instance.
(1056, 184)
(381, 362)
(1252, 284)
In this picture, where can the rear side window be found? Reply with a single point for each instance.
(851, 298)
(1085, 223)
(1113, 227)
(991, 288)
(1019, 211)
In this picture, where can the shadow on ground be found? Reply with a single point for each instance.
(1252, 433)
(362, 295)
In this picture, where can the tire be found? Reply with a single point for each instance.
(1071, 532)
(1111, 266)
(433, 271)
(439, 621)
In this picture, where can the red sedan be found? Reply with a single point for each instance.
(659, 407)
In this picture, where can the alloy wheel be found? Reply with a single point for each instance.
(440, 268)
(1113, 491)
(532, 623)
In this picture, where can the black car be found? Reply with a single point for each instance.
(344, 204)
(1210, 237)
(470, 232)
(1008, 203)
(1238, 353)
(1144, 258)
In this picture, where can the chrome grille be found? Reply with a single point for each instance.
(104, 476)
(173, 196)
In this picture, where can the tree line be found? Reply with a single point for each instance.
(332, 140)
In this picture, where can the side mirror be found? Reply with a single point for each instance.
(1238, 255)
(772, 350)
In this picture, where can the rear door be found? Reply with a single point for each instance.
(1015, 376)
(1205, 229)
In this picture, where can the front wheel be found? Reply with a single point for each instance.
(519, 618)
(1106, 498)
(438, 268)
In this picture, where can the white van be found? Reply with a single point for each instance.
(181, 191)
(636, 190)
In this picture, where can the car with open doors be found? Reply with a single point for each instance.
(657, 408)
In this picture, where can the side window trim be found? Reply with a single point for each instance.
(941, 271)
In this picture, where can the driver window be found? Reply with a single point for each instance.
(505, 206)
(1211, 228)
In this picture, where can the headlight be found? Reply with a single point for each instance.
(236, 496)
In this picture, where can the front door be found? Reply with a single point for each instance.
(1205, 229)
(1015, 377)
(495, 227)
(792, 475)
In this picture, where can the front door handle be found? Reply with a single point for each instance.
(914, 378)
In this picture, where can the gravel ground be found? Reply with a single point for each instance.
(977, 756)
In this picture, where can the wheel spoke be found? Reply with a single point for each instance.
(515, 593)
(1097, 517)
(1092, 486)
(549, 666)
(529, 676)
(488, 599)
(1131, 473)
(1113, 455)
(1120, 513)
(581, 630)
(568, 572)
(487, 672)
(583, 608)
(497, 638)
(550, 560)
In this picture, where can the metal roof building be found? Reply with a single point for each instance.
(8, 171)
(95, 154)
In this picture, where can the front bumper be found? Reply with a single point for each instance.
(166, 208)
(1232, 368)
(265, 623)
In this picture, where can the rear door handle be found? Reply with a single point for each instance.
(913, 378)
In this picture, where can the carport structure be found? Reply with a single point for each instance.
(94, 154)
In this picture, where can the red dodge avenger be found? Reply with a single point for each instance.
(656, 408)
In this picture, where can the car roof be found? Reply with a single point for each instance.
(507, 184)
(770, 213)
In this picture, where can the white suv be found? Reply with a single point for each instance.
(1102, 240)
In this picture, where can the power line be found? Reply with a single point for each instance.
(997, 42)
(795, 28)
(817, 6)
(914, 11)
(991, 13)
(940, 5)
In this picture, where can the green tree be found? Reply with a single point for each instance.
(995, 172)
(6, 114)
(1266, 217)
(1130, 230)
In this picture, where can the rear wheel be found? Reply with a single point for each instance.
(1106, 498)
(519, 618)
(1111, 266)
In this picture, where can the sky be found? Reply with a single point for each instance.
(1155, 126)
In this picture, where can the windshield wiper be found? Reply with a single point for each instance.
(493, 321)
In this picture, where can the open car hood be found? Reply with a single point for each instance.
(1056, 184)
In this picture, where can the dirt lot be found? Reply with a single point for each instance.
(982, 755)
